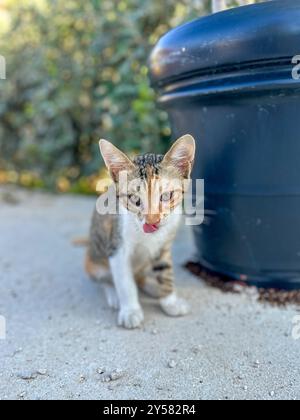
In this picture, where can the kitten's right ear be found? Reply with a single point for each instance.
(182, 155)
(115, 160)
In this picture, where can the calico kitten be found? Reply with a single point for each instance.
(133, 248)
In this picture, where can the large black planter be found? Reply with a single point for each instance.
(227, 79)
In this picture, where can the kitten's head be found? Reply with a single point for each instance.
(151, 186)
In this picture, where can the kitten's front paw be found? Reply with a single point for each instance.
(172, 305)
(130, 318)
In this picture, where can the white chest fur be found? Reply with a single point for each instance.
(141, 245)
(133, 259)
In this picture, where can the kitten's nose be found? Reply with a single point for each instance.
(153, 219)
(152, 223)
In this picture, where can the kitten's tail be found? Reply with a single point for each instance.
(81, 242)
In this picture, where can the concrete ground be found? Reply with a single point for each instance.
(62, 341)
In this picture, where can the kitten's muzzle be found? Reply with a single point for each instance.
(152, 223)
(150, 228)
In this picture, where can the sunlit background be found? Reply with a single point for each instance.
(77, 71)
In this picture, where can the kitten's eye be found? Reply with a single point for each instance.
(135, 200)
(167, 196)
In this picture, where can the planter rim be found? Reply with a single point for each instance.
(234, 85)
(242, 37)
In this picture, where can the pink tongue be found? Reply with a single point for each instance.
(150, 228)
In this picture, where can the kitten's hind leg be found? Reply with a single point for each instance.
(173, 305)
(149, 285)
(170, 303)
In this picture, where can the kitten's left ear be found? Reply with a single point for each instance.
(182, 155)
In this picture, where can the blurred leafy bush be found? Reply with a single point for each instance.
(76, 72)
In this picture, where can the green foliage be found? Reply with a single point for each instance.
(77, 72)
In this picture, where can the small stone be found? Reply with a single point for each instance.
(172, 364)
(116, 374)
(82, 379)
(113, 376)
(237, 288)
(27, 376)
(245, 388)
(100, 371)
(272, 393)
(154, 331)
(42, 372)
(17, 351)
(197, 349)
